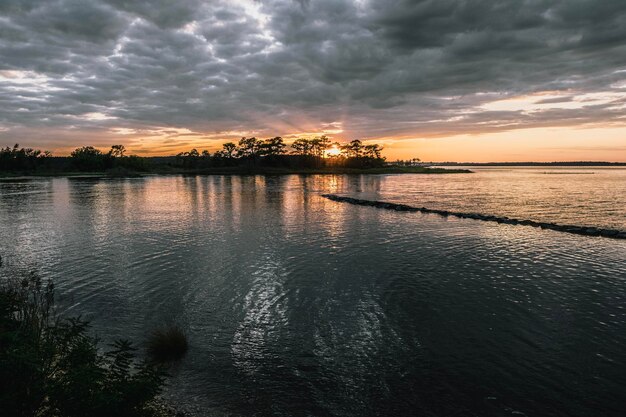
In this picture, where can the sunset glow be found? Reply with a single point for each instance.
(313, 207)
(334, 151)
(163, 80)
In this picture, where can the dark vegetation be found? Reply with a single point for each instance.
(539, 164)
(18, 159)
(272, 155)
(26, 161)
(248, 155)
(167, 344)
(51, 367)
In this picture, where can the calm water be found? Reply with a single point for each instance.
(296, 305)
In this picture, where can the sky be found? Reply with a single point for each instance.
(441, 80)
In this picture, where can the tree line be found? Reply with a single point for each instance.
(274, 152)
(249, 147)
(22, 159)
(87, 158)
(247, 152)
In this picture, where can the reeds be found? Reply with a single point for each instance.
(167, 344)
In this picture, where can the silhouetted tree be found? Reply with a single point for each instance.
(229, 150)
(273, 146)
(354, 149)
(117, 151)
(22, 159)
(372, 151)
(319, 146)
(249, 148)
(89, 158)
(302, 147)
(189, 159)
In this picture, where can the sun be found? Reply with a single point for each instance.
(330, 152)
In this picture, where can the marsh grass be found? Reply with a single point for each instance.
(167, 344)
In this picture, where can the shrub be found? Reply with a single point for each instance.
(51, 367)
(167, 344)
(89, 158)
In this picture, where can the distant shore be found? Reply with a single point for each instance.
(241, 171)
(532, 164)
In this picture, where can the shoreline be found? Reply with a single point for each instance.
(239, 171)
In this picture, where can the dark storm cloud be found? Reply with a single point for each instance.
(395, 67)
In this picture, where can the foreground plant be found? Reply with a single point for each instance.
(52, 367)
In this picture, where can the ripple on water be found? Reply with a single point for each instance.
(296, 305)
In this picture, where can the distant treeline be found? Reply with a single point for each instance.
(247, 153)
(522, 164)
(273, 152)
(85, 159)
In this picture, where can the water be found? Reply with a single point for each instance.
(585, 196)
(296, 305)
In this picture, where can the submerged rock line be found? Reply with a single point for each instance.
(578, 230)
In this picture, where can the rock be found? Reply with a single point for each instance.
(609, 233)
(587, 231)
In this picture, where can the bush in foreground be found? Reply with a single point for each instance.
(167, 344)
(52, 368)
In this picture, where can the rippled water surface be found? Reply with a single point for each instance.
(297, 305)
(584, 196)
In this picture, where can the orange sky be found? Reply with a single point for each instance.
(435, 80)
(537, 144)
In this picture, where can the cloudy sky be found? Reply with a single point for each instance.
(437, 79)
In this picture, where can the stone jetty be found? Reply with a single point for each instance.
(578, 230)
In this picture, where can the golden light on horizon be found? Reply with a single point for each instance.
(542, 144)
(332, 151)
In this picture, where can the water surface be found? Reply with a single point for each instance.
(296, 305)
